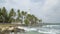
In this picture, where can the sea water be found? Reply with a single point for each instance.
(46, 29)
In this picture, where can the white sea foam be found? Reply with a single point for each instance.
(45, 30)
(48, 29)
(28, 29)
(50, 25)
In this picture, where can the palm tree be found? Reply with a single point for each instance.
(0, 11)
(2, 19)
(29, 17)
(0, 15)
(19, 20)
(40, 20)
(23, 15)
(19, 16)
(4, 14)
(32, 18)
(12, 14)
(26, 22)
(35, 19)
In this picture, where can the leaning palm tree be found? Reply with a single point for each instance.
(4, 14)
(19, 16)
(26, 21)
(4, 11)
(12, 14)
(0, 15)
(23, 13)
(29, 17)
(1, 19)
(0, 11)
(32, 19)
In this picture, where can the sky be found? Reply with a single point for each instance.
(47, 10)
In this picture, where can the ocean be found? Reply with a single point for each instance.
(46, 29)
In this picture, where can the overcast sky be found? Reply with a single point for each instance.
(47, 10)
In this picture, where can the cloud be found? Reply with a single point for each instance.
(48, 10)
(37, 1)
(51, 13)
(17, 4)
(1, 1)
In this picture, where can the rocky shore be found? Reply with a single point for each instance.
(8, 30)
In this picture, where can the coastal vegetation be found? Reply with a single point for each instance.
(18, 16)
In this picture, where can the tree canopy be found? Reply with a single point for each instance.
(22, 17)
